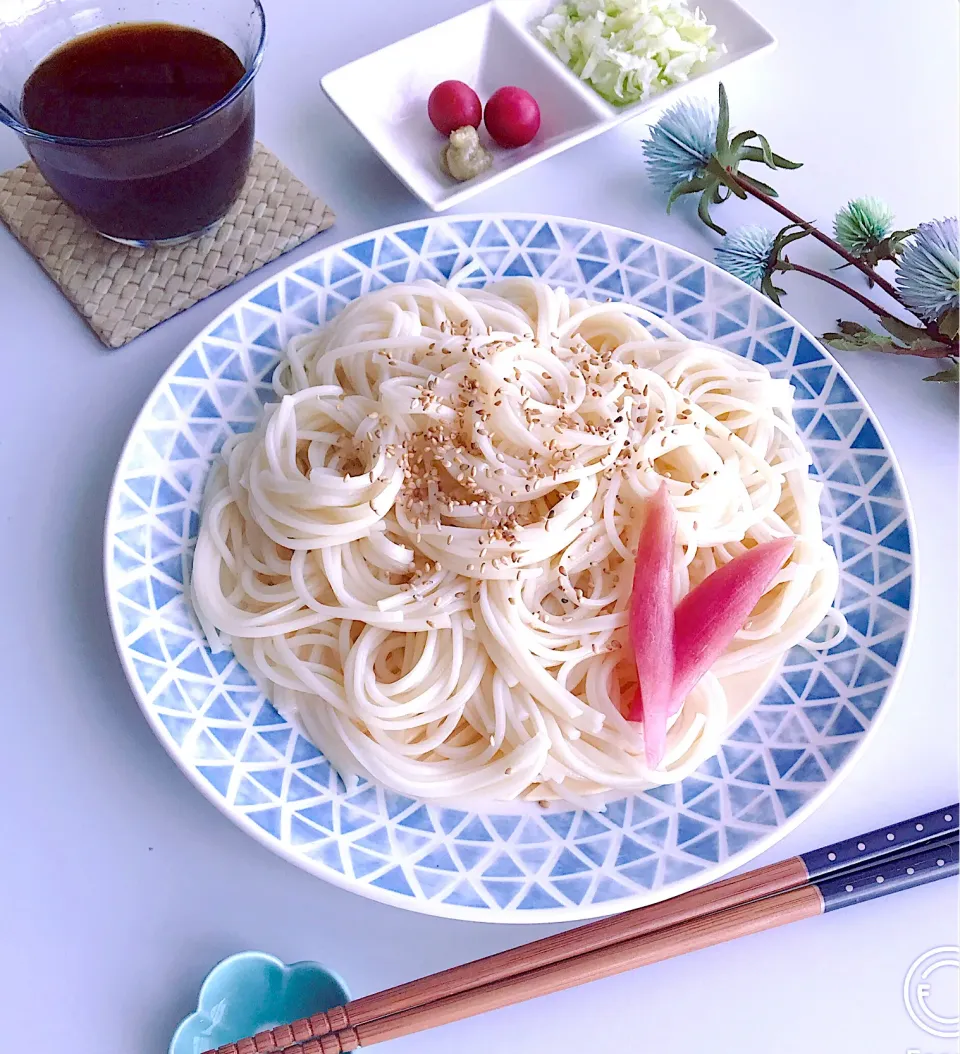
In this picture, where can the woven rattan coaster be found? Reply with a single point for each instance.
(122, 291)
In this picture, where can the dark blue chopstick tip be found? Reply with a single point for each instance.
(927, 863)
(894, 838)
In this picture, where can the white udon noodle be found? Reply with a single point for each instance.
(423, 553)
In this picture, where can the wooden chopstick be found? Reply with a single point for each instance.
(882, 844)
(915, 867)
(692, 935)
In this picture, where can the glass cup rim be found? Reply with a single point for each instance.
(7, 118)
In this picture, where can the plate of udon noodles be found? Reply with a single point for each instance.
(370, 557)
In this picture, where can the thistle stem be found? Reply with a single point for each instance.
(825, 239)
(923, 353)
(786, 265)
(860, 265)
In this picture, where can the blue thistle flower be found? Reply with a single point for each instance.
(747, 253)
(928, 277)
(862, 224)
(681, 143)
(690, 152)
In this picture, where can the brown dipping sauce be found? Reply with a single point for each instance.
(135, 79)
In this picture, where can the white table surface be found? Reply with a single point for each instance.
(121, 886)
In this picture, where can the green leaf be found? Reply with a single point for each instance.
(866, 341)
(791, 233)
(783, 238)
(759, 184)
(767, 152)
(763, 154)
(925, 349)
(842, 343)
(852, 327)
(888, 248)
(902, 331)
(703, 211)
(723, 122)
(720, 194)
(951, 375)
(782, 162)
(740, 139)
(772, 291)
(715, 168)
(949, 323)
(854, 337)
(689, 186)
(894, 242)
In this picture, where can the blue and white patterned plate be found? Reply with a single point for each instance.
(522, 863)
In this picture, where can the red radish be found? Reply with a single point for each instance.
(512, 117)
(453, 105)
(651, 624)
(710, 615)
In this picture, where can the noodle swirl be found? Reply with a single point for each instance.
(423, 553)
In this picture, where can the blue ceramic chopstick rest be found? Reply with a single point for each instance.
(250, 992)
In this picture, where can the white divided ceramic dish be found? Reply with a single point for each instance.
(384, 94)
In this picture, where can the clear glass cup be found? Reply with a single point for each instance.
(162, 187)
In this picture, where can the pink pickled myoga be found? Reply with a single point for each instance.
(711, 614)
(652, 625)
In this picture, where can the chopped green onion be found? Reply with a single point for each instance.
(627, 51)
